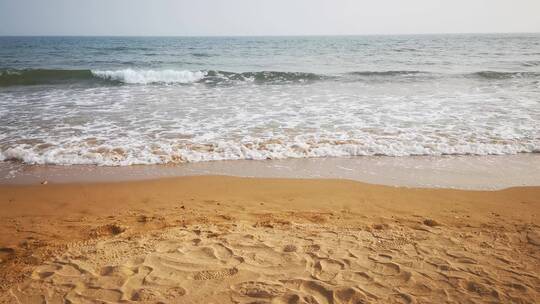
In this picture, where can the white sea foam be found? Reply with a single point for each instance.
(167, 152)
(150, 76)
(126, 125)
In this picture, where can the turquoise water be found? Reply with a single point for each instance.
(124, 101)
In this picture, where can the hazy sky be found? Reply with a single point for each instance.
(265, 17)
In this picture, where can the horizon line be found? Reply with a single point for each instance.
(265, 35)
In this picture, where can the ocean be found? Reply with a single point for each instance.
(120, 101)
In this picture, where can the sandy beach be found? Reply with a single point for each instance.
(216, 239)
(269, 152)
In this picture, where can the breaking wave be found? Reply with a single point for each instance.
(133, 76)
(169, 76)
(386, 73)
(170, 152)
(150, 76)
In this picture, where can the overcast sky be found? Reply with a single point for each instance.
(266, 17)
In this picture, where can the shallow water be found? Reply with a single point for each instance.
(460, 172)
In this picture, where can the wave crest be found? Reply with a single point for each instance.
(262, 77)
(150, 76)
(386, 73)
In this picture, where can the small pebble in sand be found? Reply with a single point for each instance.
(378, 226)
(431, 223)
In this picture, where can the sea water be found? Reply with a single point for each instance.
(120, 101)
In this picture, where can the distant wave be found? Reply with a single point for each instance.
(42, 76)
(119, 48)
(386, 73)
(170, 76)
(203, 55)
(263, 76)
(504, 75)
(531, 63)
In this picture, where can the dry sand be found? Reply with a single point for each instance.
(240, 240)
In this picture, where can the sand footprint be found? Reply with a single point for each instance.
(387, 268)
(113, 276)
(45, 271)
(479, 289)
(146, 295)
(256, 289)
(290, 248)
(308, 291)
(100, 294)
(350, 295)
(327, 269)
(319, 291)
(215, 274)
(311, 248)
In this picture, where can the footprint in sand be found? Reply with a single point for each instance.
(106, 230)
(393, 243)
(154, 296)
(45, 271)
(215, 274)
(105, 295)
(480, 289)
(387, 268)
(174, 292)
(290, 248)
(350, 295)
(327, 269)
(307, 291)
(146, 294)
(311, 248)
(255, 289)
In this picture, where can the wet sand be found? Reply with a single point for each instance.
(216, 239)
(459, 172)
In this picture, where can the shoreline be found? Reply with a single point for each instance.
(458, 172)
(218, 239)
